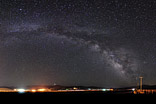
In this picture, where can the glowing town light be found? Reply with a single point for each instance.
(133, 89)
(21, 90)
(33, 90)
(111, 89)
(75, 88)
(104, 89)
(41, 90)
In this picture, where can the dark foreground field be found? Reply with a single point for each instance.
(77, 97)
(74, 94)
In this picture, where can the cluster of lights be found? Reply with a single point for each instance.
(33, 90)
(41, 90)
(107, 89)
(21, 90)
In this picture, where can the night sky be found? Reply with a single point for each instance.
(108, 43)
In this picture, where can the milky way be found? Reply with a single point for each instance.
(107, 43)
(120, 60)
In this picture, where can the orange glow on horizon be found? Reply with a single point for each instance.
(41, 90)
(33, 90)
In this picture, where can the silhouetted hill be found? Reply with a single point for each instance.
(144, 87)
(60, 87)
(149, 86)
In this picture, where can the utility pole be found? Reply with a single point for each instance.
(141, 82)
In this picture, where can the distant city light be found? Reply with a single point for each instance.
(33, 90)
(89, 88)
(103, 89)
(21, 90)
(133, 89)
(75, 88)
(107, 89)
(41, 90)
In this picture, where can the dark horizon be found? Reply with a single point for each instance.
(144, 86)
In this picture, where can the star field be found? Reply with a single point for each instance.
(106, 43)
